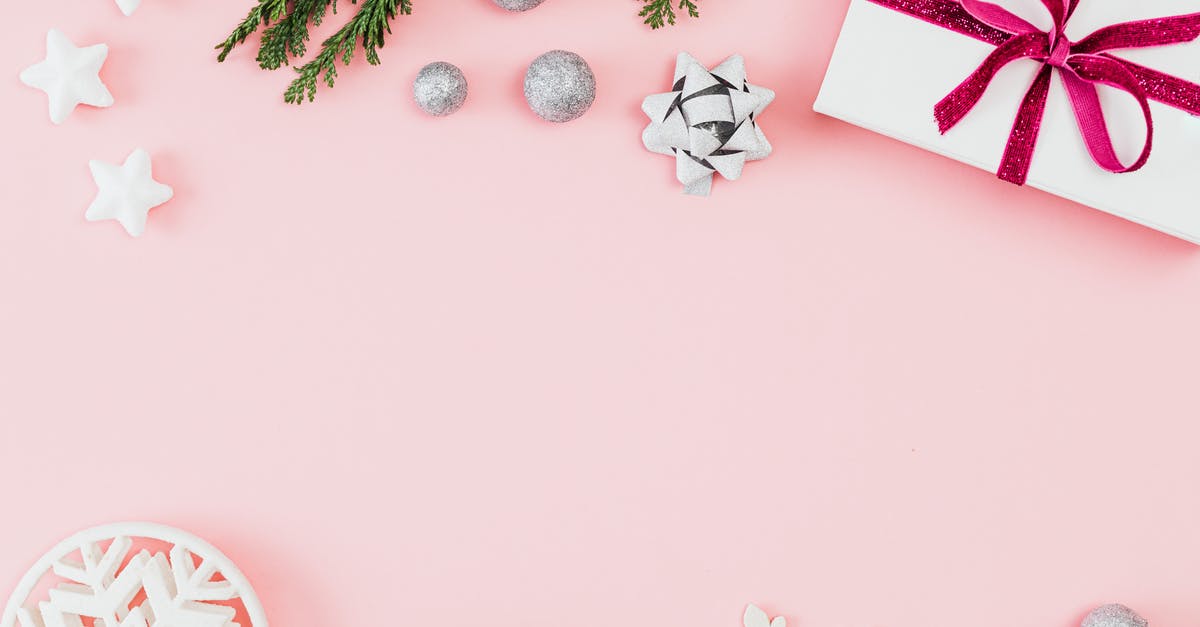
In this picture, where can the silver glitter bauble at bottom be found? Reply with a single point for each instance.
(1114, 615)
(440, 88)
(517, 5)
(560, 86)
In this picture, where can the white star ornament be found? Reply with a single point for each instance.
(70, 76)
(127, 192)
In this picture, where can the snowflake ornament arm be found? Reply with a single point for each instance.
(182, 590)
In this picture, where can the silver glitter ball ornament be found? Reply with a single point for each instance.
(1114, 615)
(560, 86)
(517, 5)
(440, 88)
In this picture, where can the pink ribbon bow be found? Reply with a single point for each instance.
(1082, 64)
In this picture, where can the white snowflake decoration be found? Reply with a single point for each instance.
(708, 122)
(182, 588)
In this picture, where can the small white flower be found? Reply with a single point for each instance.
(755, 617)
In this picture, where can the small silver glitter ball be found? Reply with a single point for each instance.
(559, 86)
(517, 5)
(1114, 615)
(440, 88)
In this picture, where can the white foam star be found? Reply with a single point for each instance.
(708, 122)
(70, 76)
(128, 6)
(127, 192)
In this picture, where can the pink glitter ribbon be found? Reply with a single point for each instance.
(1083, 65)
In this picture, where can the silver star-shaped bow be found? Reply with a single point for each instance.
(708, 122)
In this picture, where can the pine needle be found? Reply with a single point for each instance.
(264, 13)
(659, 13)
(289, 36)
(286, 25)
(370, 25)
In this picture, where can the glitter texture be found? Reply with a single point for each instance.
(560, 86)
(440, 88)
(708, 122)
(517, 5)
(1082, 65)
(1114, 616)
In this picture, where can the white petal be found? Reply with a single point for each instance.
(755, 617)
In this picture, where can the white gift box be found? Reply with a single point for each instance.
(889, 69)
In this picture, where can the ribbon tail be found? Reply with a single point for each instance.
(1018, 155)
(955, 106)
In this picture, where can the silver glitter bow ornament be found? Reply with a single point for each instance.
(708, 122)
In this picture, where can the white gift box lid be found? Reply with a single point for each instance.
(889, 69)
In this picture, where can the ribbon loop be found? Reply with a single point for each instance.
(1144, 34)
(1086, 71)
(1082, 65)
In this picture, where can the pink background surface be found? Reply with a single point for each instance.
(485, 370)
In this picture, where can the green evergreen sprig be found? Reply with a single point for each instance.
(289, 36)
(370, 26)
(659, 13)
(265, 12)
(285, 37)
(286, 25)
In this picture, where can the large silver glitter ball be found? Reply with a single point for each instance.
(517, 5)
(559, 86)
(1114, 616)
(440, 88)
